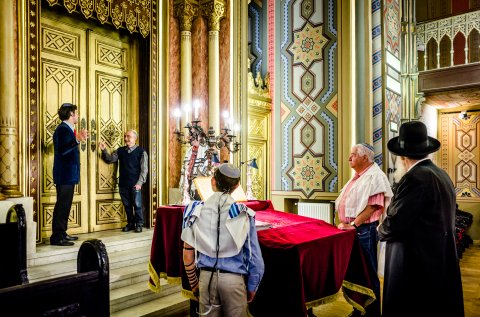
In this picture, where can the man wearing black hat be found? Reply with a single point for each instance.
(224, 236)
(422, 273)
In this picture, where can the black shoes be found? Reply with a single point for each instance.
(62, 242)
(128, 228)
(70, 238)
(137, 228)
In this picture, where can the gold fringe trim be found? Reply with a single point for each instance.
(155, 287)
(189, 295)
(154, 281)
(359, 289)
(315, 303)
(321, 301)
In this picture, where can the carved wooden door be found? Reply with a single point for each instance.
(93, 69)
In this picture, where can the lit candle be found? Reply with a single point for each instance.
(177, 114)
(236, 128)
(187, 110)
(225, 118)
(196, 108)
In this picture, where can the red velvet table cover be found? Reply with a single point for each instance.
(306, 261)
(165, 262)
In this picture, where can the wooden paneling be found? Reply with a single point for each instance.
(459, 77)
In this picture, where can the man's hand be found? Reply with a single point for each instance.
(250, 296)
(345, 226)
(195, 291)
(82, 135)
(137, 187)
(102, 145)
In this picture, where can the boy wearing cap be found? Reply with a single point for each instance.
(220, 240)
(360, 204)
(422, 273)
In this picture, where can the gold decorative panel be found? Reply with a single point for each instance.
(90, 68)
(111, 133)
(8, 165)
(111, 56)
(109, 211)
(73, 219)
(112, 89)
(459, 154)
(258, 151)
(61, 43)
(113, 98)
(257, 126)
(259, 112)
(60, 84)
(134, 15)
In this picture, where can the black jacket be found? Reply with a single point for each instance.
(422, 273)
(66, 161)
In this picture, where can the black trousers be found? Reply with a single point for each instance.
(61, 211)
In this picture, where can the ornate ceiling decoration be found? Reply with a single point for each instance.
(134, 15)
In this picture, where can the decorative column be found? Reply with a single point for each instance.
(185, 11)
(8, 106)
(214, 11)
(411, 98)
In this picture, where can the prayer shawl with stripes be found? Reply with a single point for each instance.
(199, 227)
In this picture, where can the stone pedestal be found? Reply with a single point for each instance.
(27, 203)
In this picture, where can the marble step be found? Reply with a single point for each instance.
(117, 260)
(129, 275)
(173, 305)
(139, 293)
(114, 240)
(128, 254)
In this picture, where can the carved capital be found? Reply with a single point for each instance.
(214, 11)
(258, 86)
(185, 11)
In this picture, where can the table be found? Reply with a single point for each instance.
(307, 261)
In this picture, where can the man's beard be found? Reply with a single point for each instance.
(400, 170)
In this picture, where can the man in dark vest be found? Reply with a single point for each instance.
(133, 168)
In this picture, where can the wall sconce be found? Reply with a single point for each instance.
(252, 164)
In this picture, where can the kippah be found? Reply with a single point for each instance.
(67, 104)
(368, 146)
(229, 170)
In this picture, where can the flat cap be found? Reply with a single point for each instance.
(229, 170)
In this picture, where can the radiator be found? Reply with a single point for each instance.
(316, 210)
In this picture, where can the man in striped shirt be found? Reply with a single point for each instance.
(360, 205)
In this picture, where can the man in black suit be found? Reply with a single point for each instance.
(422, 273)
(66, 171)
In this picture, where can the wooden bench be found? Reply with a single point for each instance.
(85, 293)
(13, 266)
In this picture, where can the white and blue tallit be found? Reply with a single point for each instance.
(372, 182)
(199, 227)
